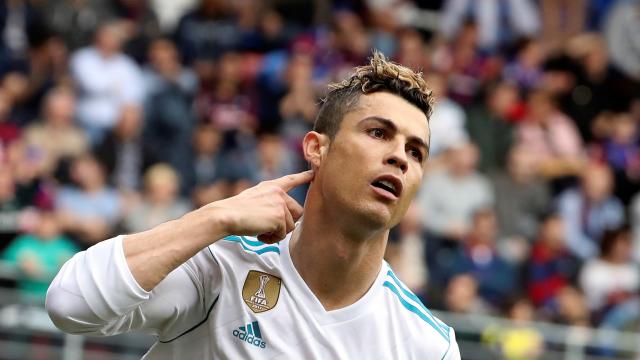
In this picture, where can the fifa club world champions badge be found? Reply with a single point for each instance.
(261, 291)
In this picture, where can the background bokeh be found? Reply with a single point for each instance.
(117, 115)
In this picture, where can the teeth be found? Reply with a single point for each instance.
(388, 184)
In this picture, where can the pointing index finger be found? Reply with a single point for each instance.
(289, 182)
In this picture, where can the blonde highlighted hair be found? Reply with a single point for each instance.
(380, 75)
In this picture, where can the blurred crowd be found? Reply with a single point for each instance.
(118, 115)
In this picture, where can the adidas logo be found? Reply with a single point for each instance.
(251, 334)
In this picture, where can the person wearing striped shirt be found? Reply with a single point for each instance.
(251, 277)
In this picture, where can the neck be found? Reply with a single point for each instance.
(338, 266)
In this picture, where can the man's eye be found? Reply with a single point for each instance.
(416, 154)
(377, 133)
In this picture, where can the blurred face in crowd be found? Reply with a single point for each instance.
(5, 105)
(7, 185)
(485, 226)
(624, 129)
(270, 149)
(161, 183)
(372, 168)
(130, 122)
(591, 51)
(552, 232)
(597, 182)
(522, 311)
(521, 164)
(412, 50)
(163, 56)
(60, 108)
(464, 159)
(572, 306)
(621, 250)
(540, 106)
(207, 140)
(300, 70)
(48, 226)
(230, 67)
(461, 293)
(531, 55)
(87, 172)
(438, 84)
(503, 98)
(109, 39)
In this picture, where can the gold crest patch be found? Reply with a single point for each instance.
(261, 291)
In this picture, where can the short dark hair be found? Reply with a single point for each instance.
(379, 76)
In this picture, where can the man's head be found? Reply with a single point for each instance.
(59, 107)
(597, 182)
(370, 144)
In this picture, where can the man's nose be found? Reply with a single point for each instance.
(398, 158)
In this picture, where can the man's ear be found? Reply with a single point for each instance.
(315, 147)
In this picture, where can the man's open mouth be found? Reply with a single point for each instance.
(389, 184)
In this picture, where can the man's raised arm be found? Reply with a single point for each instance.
(104, 290)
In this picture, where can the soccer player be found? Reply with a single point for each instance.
(312, 287)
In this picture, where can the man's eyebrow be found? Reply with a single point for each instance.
(392, 126)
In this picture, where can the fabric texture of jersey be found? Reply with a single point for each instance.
(238, 299)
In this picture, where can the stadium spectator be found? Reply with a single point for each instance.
(525, 70)
(405, 249)
(55, 135)
(621, 24)
(76, 21)
(39, 255)
(600, 87)
(490, 125)
(207, 32)
(523, 20)
(448, 121)
(552, 136)
(224, 101)
(412, 51)
(106, 80)
(611, 278)
(18, 20)
(140, 24)
(207, 175)
(299, 105)
(551, 266)
(14, 214)
(620, 148)
(88, 209)
(468, 70)
(569, 308)
(557, 27)
(518, 340)
(160, 202)
(589, 210)
(461, 296)
(451, 196)
(123, 153)
(478, 256)
(169, 119)
(522, 197)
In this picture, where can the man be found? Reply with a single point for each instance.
(317, 288)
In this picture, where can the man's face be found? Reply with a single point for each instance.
(374, 165)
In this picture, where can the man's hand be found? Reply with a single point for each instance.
(265, 210)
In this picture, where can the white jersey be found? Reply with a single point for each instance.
(240, 299)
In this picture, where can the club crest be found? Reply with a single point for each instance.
(261, 291)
